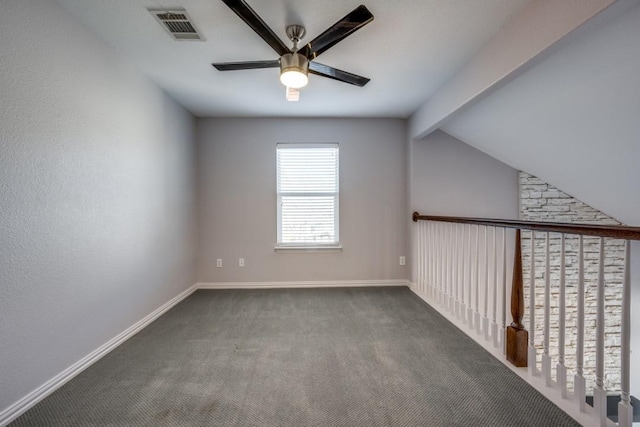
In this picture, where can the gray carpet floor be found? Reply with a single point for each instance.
(298, 357)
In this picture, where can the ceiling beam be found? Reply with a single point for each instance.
(537, 27)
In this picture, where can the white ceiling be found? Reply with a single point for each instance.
(409, 50)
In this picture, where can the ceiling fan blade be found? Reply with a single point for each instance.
(334, 73)
(355, 20)
(251, 18)
(247, 65)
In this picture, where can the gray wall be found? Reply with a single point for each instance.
(448, 177)
(97, 195)
(237, 195)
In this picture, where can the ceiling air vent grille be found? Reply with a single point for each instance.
(176, 23)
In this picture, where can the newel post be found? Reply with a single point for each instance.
(517, 335)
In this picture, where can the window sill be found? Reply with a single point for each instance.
(307, 249)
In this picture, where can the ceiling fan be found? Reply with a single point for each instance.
(297, 62)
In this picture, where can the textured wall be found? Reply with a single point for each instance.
(449, 177)
(540, 201)
(237, 194)
(97, 195)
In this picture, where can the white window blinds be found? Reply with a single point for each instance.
(307, 194)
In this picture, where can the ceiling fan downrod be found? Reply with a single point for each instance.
(295, 34)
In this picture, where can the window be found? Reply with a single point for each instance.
(307, 188)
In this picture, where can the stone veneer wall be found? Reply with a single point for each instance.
(540, 201)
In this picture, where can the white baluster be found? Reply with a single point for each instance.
(437, 260)
(469, 282)
(424, 258)
(451, 267)
(443, 256)
(463, 274)
(427, 251)
(445, 261)
(420, 257)
(432, 258)
(579, 381)
(445, 269)
(546, 359)
(449, 280)
(456, 264)
(445, 265)
(487, 274)
(426, 265)
(494, 324)
(561, 370)
(599, 393)
(454, 269)
(625, 411)
(452, 249)
(417, 254)
(532, 356)
(476, 320)
(462, 308)
(504, 291)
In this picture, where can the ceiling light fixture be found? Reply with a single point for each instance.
(294, 69)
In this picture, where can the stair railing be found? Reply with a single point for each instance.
(460, 264)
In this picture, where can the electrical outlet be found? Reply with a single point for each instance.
(403, 261)
(219, 262)
(240, 262)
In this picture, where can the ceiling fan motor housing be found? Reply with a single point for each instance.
(294, 64)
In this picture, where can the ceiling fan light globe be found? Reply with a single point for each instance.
(294, 78)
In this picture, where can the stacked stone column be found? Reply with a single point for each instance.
(540, 201)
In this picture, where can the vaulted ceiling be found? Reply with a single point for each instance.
(574, 118)
(410, 49)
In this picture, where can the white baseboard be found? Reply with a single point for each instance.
(303, 284)
(21, 406)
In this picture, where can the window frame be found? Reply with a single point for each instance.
(334, 246)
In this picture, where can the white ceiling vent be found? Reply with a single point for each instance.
(177, 23)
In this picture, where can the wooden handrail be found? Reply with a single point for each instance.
(614, 231)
